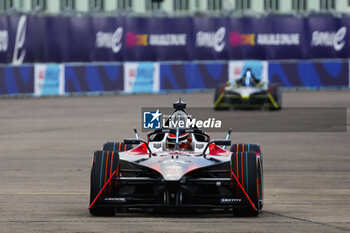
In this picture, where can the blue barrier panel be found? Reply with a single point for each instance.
(16, 80)
(310, 73)
(94, 78)
(192, 75)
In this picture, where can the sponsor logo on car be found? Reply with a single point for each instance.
(230, 200)
(116, 199)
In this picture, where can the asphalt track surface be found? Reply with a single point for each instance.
(46, 146)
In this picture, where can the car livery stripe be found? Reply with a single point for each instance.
(106, 168)
(119, 146)
(110, 172)
(246, 169)
(113, 146)
(250, 201)
(103, 154)
(273, 101)
(104, 186)
(116, 181)
(237, 171)
(217, 102)
(125, 147)
(257, 187)
(242, 168)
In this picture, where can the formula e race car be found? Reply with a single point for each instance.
(175, 170)
(247, 92)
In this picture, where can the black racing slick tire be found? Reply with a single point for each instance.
(103, 165)
(218, 91)
(116, 146)
(251, 147)
(247, 168)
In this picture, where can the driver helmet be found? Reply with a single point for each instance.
(248, 75)
(185, 141)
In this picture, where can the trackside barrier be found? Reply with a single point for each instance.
(326, 73)
(91, 77)
(16, 80)
(65, 39)
(154, 77)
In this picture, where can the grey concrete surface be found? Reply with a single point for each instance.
(46, 146)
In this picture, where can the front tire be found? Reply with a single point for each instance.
(104, 164)
(248, 169)
(248, 147)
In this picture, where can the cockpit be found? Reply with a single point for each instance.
(176, 135)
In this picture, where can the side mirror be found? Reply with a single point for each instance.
(222, 142)
(132, 141)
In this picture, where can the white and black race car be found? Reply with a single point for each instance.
(177, 169)
(247, 92)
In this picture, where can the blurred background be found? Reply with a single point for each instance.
(151, 46)
(176, 7)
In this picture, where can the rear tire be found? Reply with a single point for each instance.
(249, 147)
(116, 146)
(104, 164)
(248, 170)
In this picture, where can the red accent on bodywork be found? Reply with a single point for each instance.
(215, 150)
(243, 190)
(140, 150)
(103, 188)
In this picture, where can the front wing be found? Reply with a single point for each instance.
(233, 99)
